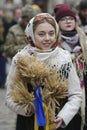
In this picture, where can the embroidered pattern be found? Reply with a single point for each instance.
(65, 69)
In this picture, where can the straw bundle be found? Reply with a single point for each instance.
(30, 70)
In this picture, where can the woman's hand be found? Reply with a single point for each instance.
(58, 121)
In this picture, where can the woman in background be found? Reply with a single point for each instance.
(73, 39)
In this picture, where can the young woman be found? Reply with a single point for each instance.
(41, 76)
(73, 39)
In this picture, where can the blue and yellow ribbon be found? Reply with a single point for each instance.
(41, 115)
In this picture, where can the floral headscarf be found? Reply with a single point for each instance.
(29, 28)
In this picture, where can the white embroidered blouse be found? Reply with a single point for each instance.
(62, 61)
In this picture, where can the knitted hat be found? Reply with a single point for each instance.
(62, 10)
(28, 11)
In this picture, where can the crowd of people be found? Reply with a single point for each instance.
(43, 66)
(12, 36)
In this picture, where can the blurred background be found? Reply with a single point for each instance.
(45, 5)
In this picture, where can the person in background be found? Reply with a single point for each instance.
(82, 13)
(17, 13)
(3, 59)
(30, 79)
(37, 8)
(73, 39)
(15, 39)
(8, 20)
(42, 4)
(1, 13)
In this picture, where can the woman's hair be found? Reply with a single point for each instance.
(43, 20)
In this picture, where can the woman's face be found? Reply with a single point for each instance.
(67, 23)
(44, 35)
